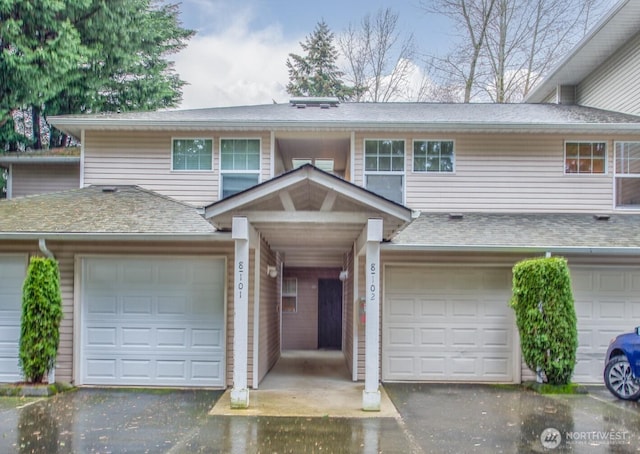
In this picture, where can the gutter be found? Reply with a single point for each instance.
(597, 250)
(44, 236)
(39, 159)
(322, 126)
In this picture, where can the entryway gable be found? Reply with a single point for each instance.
(310, 216)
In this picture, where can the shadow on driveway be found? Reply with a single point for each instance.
(434, 418)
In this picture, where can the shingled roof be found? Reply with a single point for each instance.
(99, 210)
(522, 232)
(364, 116)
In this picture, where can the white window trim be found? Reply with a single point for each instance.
(290, 295)
(402, 173)
(213, 153)
(617, 175)
(439, 172)
(606, 158)
(222, 172)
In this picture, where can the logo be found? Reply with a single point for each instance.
(550, 438)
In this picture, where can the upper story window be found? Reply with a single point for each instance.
(627, 174)
(585, 157)
(433, 156)
(239, 165)
(384, 168)
(192, 154)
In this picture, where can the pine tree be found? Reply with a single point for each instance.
(317, 73)
(77, 56)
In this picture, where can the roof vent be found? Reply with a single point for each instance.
(325, 102)
(109, 189)
(456, 216)
(602, 217)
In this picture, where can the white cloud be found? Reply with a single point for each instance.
(235, 66)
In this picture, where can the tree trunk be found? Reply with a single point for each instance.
(35, 125)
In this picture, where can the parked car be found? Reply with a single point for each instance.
(622, 366)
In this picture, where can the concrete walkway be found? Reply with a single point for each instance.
(308, 383)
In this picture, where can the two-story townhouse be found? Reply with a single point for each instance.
(202, 243)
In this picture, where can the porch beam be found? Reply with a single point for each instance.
(329, 201)
(241, 234)
(308, 217)
(287, 201)
(371, 393)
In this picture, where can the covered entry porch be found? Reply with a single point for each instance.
(304, 219)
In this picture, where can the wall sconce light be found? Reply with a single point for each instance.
(343, 275)
(272, 271)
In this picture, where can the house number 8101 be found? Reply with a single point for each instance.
(372, 287)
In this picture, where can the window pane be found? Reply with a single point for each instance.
(628, 158)
(572, 150)
(585, 157)
(387, 186)
(627, 192)
(232, 183)
(439, 156)
(240, 154)
(192, 154)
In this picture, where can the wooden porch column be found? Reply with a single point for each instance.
(371, 393)
(240, 391)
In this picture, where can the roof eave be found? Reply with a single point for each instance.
(39, 159)
(101, 236)
(578, 250)
(541, 91)
(76, 126)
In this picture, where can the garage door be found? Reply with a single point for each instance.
(448, 323)
(12, 274)
(607, 303)
(153, 321)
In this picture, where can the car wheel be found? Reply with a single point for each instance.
(619, 379)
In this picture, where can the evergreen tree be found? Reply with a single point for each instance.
(316, 73)
(112, 57)
(39, 49)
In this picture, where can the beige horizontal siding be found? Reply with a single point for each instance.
(509, 173)
(615, 85)
(144, 159)
(30, 179)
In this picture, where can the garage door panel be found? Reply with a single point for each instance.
(607, 304)
(12, 273)
(463, 331)
(433, 309)
(152, 327)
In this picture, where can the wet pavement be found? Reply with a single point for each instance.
(433, 418)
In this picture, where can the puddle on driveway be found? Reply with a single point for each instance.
(141, 421)
(477, 418)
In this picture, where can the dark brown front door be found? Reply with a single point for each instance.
(329, 313)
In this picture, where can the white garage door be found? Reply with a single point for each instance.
(607, 301)
(12, 273)
(153, 321)
(448, 323)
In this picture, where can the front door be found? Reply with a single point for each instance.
(329, 314)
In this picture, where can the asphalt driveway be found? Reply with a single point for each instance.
(434, 418)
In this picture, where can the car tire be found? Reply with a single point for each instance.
(619, 379)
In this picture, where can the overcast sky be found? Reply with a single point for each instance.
(238, 56)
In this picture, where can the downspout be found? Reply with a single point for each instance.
(43, 248)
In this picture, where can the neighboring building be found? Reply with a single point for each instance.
(31, 173)
(202, 243)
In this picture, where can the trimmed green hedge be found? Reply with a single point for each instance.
(41, 316)
(546, 317)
